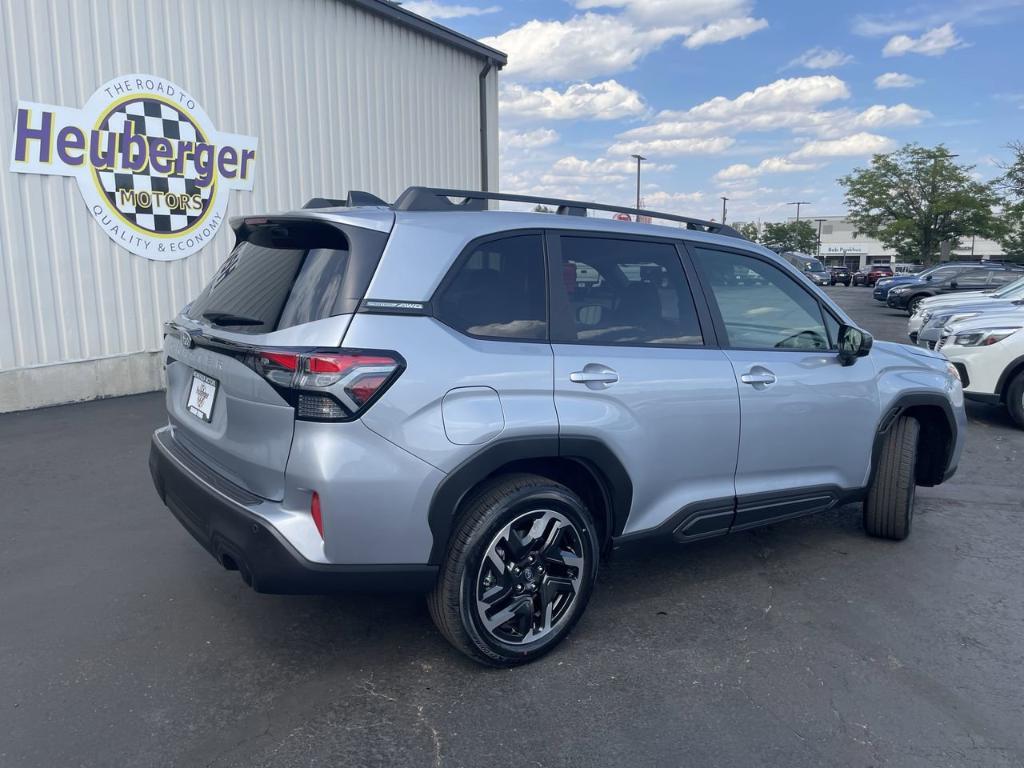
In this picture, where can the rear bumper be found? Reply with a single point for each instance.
(225, 520)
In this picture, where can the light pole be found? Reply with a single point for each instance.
(724, 201)
(820, 222)
(798, 203)
(639, 159)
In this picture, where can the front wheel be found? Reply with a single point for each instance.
(889, 506)
(914, 304)
(519, 571)
(1015, 399)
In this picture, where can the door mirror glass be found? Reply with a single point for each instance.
(853, 343)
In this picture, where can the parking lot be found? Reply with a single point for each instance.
(122, 642)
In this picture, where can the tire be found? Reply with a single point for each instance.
(914, 303)
(1015, 399)
(543, 584)
(889, 506)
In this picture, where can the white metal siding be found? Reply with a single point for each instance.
(339, 99)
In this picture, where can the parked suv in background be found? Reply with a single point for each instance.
(988, 351)
(871, 275)
(949, 304)
(951, 279)
(840, 275)
(478, 404)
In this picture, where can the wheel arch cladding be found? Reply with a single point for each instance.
(1007, 376)
(585, 465)
(935, 443)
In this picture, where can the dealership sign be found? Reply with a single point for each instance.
(154, 172)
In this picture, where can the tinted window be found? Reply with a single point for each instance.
(281, 276)
(627, 292)
(761, 306)
(499, 290)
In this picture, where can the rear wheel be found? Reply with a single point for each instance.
(1015, 399)
(889, 506)
(519, 571)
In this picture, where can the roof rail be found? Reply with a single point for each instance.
(355, 198)
(430, 199)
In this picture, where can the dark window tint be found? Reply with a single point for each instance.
(280, 277)
(627, 292)
(499, 290)
(761, 306)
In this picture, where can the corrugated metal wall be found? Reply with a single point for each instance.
(338, 98)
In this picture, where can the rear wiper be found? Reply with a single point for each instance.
(227, 318)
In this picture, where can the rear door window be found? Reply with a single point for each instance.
(284, 275)
(498, 290)
(629, 292)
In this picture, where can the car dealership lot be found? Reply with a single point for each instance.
(123, 643)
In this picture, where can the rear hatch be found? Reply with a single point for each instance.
(278, 306)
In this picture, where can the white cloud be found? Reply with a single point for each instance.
(434, 10)
(673, 147)
(723, 31)
(608, 100)
(582, 47)
(821, 58)
(934, 42)
(573, 170)
(541, 137)
(784, 103)
(593, 44)
(781, 94)
(896, 80)
(673, 202)
(768, 165)
(793, 104)
(856, 145)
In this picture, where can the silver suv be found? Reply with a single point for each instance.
(480, 404)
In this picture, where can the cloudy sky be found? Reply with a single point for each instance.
(763, 102)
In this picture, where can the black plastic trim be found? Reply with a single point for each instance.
(239, 538)
(755, 510)
(1005, 377)
(593, 455)
(899, 406)
(984, 397)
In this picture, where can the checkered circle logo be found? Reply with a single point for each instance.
(154, 171)
(162, 203)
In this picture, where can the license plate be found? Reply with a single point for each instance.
(201, 396)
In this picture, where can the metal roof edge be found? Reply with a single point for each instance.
(396, 13)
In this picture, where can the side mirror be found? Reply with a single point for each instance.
(853, 343)
(953, 284)
(927, 277)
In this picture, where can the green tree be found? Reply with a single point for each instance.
(915, 198)
(749, 231)
(790, 236)
(540, 208)
(1011, 236)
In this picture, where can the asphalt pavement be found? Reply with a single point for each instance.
(123, 644)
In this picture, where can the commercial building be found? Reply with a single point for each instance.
(841, 244)
(136, 130)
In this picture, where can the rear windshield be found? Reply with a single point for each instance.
(284, 274)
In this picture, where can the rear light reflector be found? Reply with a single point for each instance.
(316, 514)
(319, 408)
(328, 385)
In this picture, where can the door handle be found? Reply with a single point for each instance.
(758, 377)
(594, 376)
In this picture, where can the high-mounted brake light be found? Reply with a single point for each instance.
(328, 385)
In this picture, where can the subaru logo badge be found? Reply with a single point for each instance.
(186, 340)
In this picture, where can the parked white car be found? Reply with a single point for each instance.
(929, 307)
(988, 353)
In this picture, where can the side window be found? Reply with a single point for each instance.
(627, 292)
(974, 278)
(498, 291)
(761, 306)
(1003, 277)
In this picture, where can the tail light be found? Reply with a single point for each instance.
(334, 385)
